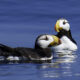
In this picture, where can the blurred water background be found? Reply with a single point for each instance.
(21, 21)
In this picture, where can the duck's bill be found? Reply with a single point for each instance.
(57, 27)
(56, 41)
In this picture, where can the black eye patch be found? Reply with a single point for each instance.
(64, 22)
(46, 38)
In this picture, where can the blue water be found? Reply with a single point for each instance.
(21, 21)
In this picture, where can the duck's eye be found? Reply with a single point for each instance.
(64, 23)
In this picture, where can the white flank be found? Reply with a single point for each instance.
(42, 59)
(67, 44)
(12, 58)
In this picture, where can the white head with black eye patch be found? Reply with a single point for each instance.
(62, 24)
(44, 41)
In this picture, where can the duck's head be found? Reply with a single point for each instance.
(62, 24)
(46, 41)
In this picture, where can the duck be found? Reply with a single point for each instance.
(62, 27)
(41, 52)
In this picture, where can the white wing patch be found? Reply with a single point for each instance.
(42, 59)
(12, 58)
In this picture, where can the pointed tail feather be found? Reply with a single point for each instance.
(5, 48)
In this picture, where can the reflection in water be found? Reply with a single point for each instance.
(61, 66)
(65, 57)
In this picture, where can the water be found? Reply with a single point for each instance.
(21, 21)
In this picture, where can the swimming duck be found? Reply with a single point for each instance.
(62, 26)
(41, 52)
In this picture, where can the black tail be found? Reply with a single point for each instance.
(5, 48)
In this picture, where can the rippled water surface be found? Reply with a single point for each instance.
(21, 21)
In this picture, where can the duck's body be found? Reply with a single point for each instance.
(22, 54)
(29, 53)
(42, 52)
(64, 33)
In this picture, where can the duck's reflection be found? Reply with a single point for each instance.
(65, 57)
(60, 66)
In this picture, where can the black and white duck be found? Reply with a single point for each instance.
(62, 26)
(41, 52)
